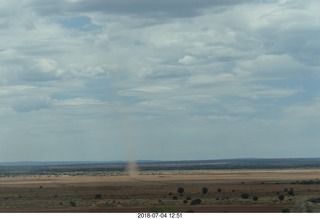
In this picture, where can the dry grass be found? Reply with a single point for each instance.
(149, 191)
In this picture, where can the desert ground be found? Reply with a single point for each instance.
(296, 190)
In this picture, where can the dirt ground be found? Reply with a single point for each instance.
(156, 191)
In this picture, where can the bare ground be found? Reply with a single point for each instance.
(157, 191)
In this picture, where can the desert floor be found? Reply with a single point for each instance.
(156, 191)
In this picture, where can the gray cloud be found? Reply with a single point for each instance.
(150, 8)
(166, 73)
(32, 103)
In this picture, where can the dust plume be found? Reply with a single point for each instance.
(132, 169)
(126, 129)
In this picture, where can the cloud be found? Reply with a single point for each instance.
(164, 72)
(41, 70)
(176, 73)
(186, 60)
(280, 31)
(28, 104)
(305, 109)
(210, 79)
(79, 102)
(166, 8)
(276, 66)
(15, 89)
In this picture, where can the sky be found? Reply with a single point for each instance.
(107, 80)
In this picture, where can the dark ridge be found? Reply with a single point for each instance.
(54, 168)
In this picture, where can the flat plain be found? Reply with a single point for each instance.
(244, 190)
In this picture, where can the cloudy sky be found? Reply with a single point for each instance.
(87, 80)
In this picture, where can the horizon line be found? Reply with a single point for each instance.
(158, 160)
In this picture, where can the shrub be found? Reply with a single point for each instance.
(219, 190)
(291, 192)
(314, 200)
(180, 190)
(205, 190)
(188, 198)
(255, 198)
(175, 197)
(245, 195)
(73, 204)
(286, 210)
(98, 196)
(195, 201)
(185, 201)
(281, 197)
(170, 193)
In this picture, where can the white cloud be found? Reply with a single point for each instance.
(210, 79)
(15, 89)
(78, 102)
(187, 60)
(40, 70)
